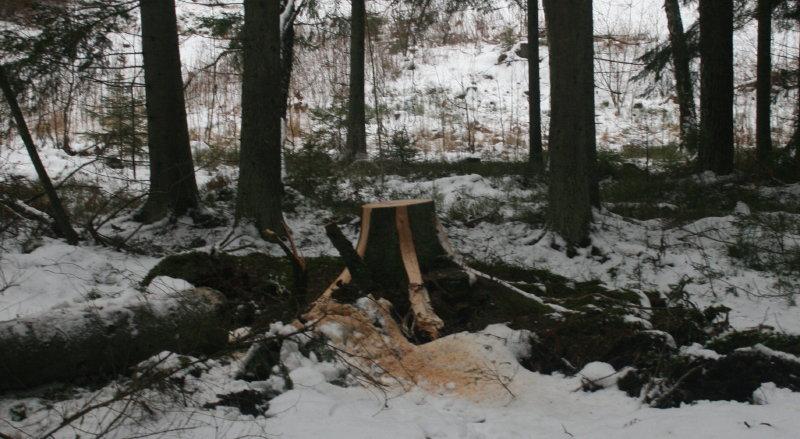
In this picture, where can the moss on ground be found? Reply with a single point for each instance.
(254, 284)
(483, 304)
(598, 328)
(641, 195)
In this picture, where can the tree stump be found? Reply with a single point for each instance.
(380, 313)
(399, 243)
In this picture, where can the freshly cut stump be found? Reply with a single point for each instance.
(400, 241)
(402, 248)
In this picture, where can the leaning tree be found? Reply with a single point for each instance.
(39, 49)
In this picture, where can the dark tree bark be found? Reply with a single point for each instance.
(172, 182)
(260, 185)
(716, 86)
(60, 216)
(683, 77)
(287, 53)
(535, 159)
(794, 141)
(360, 274)
(764, 81)
(796, 137)
(573, 187)
(356, 113)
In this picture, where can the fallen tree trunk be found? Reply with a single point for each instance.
(96, 344)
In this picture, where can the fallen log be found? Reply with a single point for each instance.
(70, 347)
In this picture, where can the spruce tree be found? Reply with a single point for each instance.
(535, 158)
(356, 110)
(573, 187)
(260, 185)
(683, 77)
(173, 189)
(122, 122)
(715, 150)
(764, 81)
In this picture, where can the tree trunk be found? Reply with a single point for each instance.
(683, 77)
(57, 209)
(535, 159)
(794, 141)
(63, 346)
(287, 53)
(260, 185)
(797, 133)
(356, 114)
(572, 144)
(764, 81)
(716, 86)
(172, 182)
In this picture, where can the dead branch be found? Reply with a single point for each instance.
(361, 276)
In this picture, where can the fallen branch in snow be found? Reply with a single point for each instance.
(25, 211)
(144, 380)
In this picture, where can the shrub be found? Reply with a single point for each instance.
(401, 148)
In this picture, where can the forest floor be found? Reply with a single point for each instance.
(670, 234)
(686, 271)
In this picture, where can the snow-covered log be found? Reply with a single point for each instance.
(69, 346)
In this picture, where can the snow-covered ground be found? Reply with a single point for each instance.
(515, 404)
(436, 91)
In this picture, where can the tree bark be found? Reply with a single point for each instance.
(535, 158)
(287, 53)
(794, 141)
(57, 209)
(356, 113)
(796, 137)
(764, 82)
(573, 187)
(359, 273)
(173, 188)
(260, 186)
(716, 86)
(683, 77)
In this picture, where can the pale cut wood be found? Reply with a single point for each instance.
(391, 248)
(424, 316)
